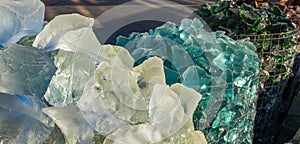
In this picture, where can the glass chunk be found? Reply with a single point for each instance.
(71, 123)
(22, 120)
(20, 19)
(25, 70)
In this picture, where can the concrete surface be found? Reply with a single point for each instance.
(94, 8)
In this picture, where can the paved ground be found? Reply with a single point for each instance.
(94, 8)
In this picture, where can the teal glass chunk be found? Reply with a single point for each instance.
(184, 36)
(181, 58)
(168, 29)
(172, 76)
(122, 40)
(195, 77)
(193, 47)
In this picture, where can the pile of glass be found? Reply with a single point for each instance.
(275, 37)
(224, 71)
(94, 93)
(245, 19)
(273, 34)
(63, 81)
